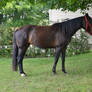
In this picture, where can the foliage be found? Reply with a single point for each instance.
(6, 52)
(16, 13)
(72, 5)
(78, 45)
(19, 13)
(6, 34)
(37, 52)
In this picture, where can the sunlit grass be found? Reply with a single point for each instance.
(41, 79)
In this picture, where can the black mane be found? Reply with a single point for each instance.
(70, 26)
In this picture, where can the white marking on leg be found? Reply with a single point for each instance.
(23, 75)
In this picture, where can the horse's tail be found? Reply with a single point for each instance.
(15, 54)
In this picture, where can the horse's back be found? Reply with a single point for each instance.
(41, 36)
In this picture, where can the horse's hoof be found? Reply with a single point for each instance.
(23, 74)
(64, 71)
(54, 71)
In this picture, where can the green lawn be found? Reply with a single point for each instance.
(41, 79)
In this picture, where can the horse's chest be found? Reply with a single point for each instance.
(60, 39)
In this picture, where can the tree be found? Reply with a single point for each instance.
(18, 13)
(71, 5)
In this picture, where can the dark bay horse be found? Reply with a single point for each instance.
(55, 36)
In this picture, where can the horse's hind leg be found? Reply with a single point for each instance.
(21, 53)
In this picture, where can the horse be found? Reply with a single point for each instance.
(56, 36)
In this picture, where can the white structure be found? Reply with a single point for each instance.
(59, 16)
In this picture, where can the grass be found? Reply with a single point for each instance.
(41, 79)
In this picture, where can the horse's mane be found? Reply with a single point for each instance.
(68, 26)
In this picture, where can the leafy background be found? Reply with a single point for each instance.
(16, 13)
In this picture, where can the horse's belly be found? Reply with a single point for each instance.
(42, 39)
(43, 42)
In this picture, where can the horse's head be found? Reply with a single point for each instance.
(88, 24)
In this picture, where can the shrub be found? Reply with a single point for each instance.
(37, 52)
(78, 45)
(5, 51)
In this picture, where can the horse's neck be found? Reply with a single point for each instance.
(75, 25)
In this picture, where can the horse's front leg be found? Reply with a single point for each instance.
(57, 54)
(63, 59)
